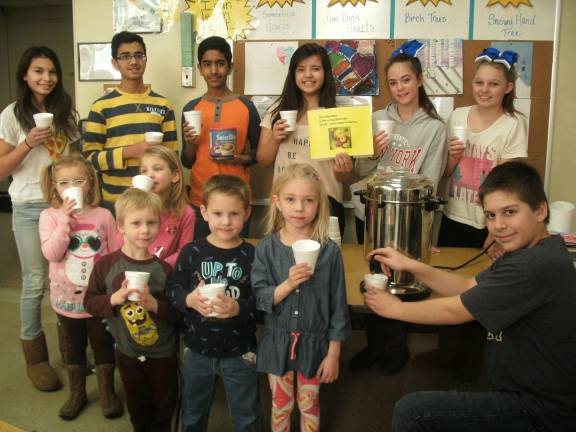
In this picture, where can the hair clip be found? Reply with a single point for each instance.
(490, 54)
(410, 48)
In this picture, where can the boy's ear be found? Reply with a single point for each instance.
(230, 67)
(542, 212)
(247, 212)
(114, 63)
(204, 212)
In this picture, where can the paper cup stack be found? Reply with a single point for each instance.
(561, 217)
(306, 251)
(212, 291)
(334, 230)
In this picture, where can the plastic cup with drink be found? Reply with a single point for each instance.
(153, 137)
(290, 117)
(136, 280)
(306, 251)
(212, 291)
(43, 120)
(77, 194)
(142, 182)
(461, 133)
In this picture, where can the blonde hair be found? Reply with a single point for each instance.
(176, 199)
(48, 180)
(275, 220)
(135, 200)
(228, 185)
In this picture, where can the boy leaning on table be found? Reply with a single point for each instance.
(526, 301)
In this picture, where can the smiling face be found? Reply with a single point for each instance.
(139, 228)
(298, 202)
(403, 84)
(215, 69)
(490, 85)
(158, 170)
(41, 77)
(512, 222)
(131, 61)
(309, 75)
(225, 215)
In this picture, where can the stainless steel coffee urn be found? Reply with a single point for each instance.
(399, 213)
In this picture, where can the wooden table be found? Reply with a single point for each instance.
(355, 266)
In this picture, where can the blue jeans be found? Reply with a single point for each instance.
(240, 382)
(34, 267)
(450, 411)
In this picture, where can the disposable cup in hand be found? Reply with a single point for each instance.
(43, 119)
(194, 119)
(76, 194)
(386, 126)
(136, 280)
(290, 117)
(375, 280)
(561, 217)
(306, 251)
(460, 132)
(212, 291)
(153, 137)
(142, 182)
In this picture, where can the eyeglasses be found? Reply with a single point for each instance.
(128, 57)
(69, 183)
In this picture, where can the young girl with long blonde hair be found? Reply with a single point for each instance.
(176, 230)
(306, 316)
(72, 240)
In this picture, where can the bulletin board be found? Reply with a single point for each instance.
(539, 96)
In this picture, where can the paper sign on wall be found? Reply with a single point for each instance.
(266, 66)
(431, 19)
(356, 19)
(280, 19)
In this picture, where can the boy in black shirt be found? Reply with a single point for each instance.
(527, 302)
(220, 334)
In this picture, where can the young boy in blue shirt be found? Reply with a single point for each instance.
(223, 345)
(525, 300)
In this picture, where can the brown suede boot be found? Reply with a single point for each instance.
(77, 399)
(39, 370)
(111, 404)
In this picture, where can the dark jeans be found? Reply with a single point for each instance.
(151, 388)
(77, 332)
(240, 381)
(450, 411)
(201, 228)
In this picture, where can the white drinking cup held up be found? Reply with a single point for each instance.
(306, 251)
(136, 280)
(375, 280)
(43, 119)
(194, 119)
(561, 217)
(212, 291)
(153, 137)
(142, 182)
(290, 117)
(386, 126)
(461, 132)
(76, 194)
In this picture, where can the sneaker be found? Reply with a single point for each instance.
(365, 359)
(393, 362)
(433, 359)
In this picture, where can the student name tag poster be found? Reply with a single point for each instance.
(281, 19)
(431, 19)
(354, 19)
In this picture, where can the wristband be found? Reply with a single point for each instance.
(26, 142)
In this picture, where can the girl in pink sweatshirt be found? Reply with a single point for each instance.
(74, 234)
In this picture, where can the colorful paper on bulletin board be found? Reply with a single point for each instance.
(356, 19)
(439, 19)
(138, 16)
(266, 66)
(334, 130)
(281, 19)
(227, 18)
(523, 66)
(354, 66)
(442, 66)
(514, 19)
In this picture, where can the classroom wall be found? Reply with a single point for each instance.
(563, 160)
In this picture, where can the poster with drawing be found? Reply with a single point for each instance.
(442, 66)
(281, 19)
(354, 19)
(439, 19)
(137, 16)
(269, 60)
(231, 19)
(354, 66)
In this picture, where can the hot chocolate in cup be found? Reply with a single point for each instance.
(142, 182)
(136, 280)
(375, 280)
(386, 126)
(43, 119)
(460, 132)
(77, 194)
(194, 119)
(153, 137)
(290, 117)
(306, 251)
(212, 291)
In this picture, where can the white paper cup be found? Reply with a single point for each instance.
(142, 182)
(306, 251)
(77, 194)
(43, 119)
(136, 280)
(460, 132)
(212, 291)
(153, 137)
(290, 117)
(561, 217)
(375, 280)
(386, 126)
(333, 225)
(194, 119)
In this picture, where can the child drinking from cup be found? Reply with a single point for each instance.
(176, 230)
(306, 316)
(74, 234)
(143, 330)
(219, 334)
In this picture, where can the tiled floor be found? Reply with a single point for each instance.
(360, 402)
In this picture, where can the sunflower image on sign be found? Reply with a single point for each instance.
(340, 138)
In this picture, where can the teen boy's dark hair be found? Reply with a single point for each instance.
(517, 178)
(215, 43)
(125, 37)
(228, 185)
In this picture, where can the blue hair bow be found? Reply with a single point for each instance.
(410, 48)
(507, 58)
